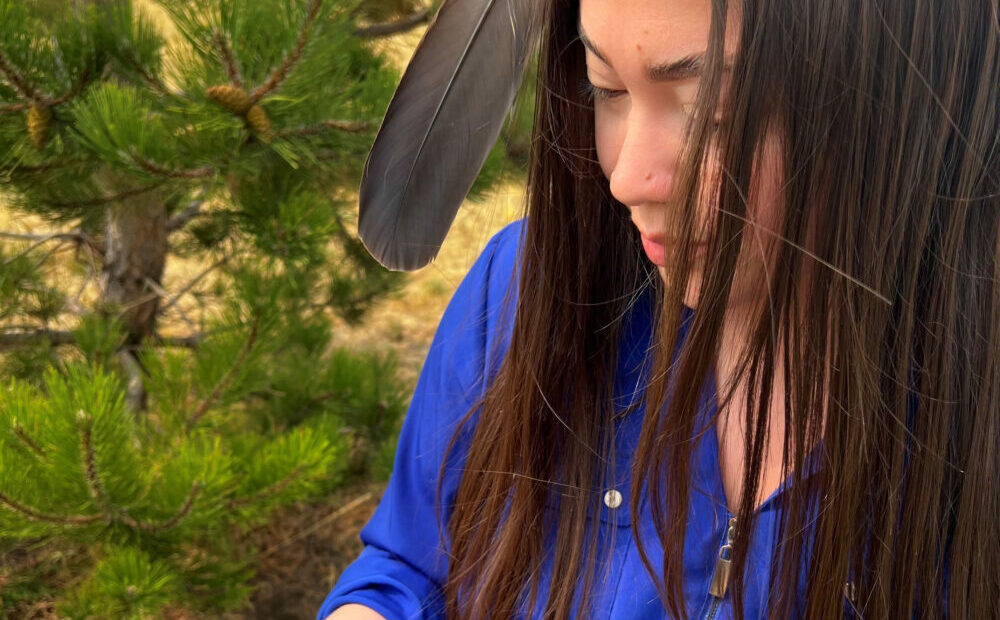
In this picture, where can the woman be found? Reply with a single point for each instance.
(742, 358)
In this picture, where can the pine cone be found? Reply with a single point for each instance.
(233, 98)
(260, 123)
(39, 121)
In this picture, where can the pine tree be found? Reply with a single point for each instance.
(149, 426)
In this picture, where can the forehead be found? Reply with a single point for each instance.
(649, 30)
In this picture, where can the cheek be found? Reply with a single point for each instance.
(769, 200)
(608, 138)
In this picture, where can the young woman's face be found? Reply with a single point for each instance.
(643, 57)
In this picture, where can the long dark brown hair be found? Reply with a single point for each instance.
(888, 117)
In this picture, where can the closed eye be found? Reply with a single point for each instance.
(590, 92)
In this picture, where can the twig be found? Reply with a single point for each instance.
(35, 515)
(12, 108)
(103, 200)
(227, 59)
(75, 235)
(269, 491)
(163, 294)
(94, 484)
(192, 341)
(75, 90)
(401, 25)
(337, 125)
(202, 407)
(358, 501)
(193, 173)
(282, 72)
(28, 441)
(166, 524)
(180, 219)
(184, 289)
(19, 81)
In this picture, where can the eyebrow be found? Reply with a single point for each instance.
(690, 66)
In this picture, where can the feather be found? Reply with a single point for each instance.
(443, 120)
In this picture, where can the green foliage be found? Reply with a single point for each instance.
(145, 450)
(126, 584)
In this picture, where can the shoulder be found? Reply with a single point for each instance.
(474, 331)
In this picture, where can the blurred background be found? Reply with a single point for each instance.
(203, 371)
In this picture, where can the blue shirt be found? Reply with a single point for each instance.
(402, 567)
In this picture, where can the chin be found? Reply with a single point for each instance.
(691, 291)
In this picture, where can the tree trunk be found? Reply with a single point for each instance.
(136, 253)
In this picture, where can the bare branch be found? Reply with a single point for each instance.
(192, 341)
(19, 82)
(134, 387)
(76, 236)
(184, 289)
(282, 72)
(389, 29)
(14, 339)
(180, 219)
(35, 515)
(202, 407)
(226, 52)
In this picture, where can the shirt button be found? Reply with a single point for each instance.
(613, 499)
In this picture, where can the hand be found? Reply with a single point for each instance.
(353, 611)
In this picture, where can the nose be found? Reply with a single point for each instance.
(643, 171)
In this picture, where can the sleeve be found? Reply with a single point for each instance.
(403, 566)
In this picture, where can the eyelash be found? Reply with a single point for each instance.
(590, 92)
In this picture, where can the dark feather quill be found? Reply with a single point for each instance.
(442, 122)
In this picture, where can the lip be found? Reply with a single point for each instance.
(656, 248)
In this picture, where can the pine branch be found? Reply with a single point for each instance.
(72, 92)
(399, 26)
(266, 492)
(227, 377)
(153, 168)
(282, 72)
(336, 125)
(94, 484)
(35, 515)
(172, 521)
(153, 80)
(103, 200)
(19, 82)
(27, 440)
(99, 493)
(226, 52)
